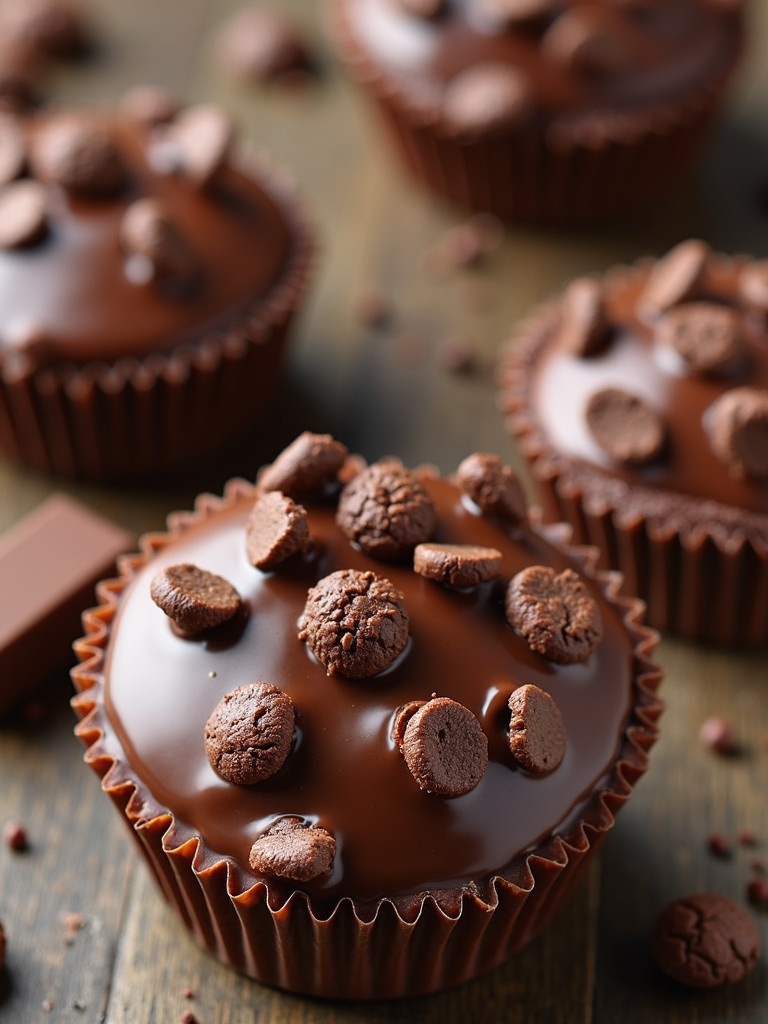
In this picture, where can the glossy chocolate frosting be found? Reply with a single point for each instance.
(72, 291)
(345, 772)
(635, 358)
(679, 47)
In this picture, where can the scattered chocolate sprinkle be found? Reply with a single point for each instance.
(373, 308)
(188, 993)
(590, 41)
(537, 734)
(292, 849)
(248, 735)
(625, 426)
(258, 45)
(13, 153)
(386, 511)
(705, 941)
(150, 105)
(148, 232)
(23, 214)
(202, 136)
(585, 327)
(554, 612)
(276, 529)
(15, 837)
(718, 734)
(458, 565)
(194, 598)
(355, 623)
(306, 467)
(494, 487)
(445, 748)
(73, 923)
(708, 337)
(737, 426)
(719, 845)
(757, 892)
(80, 154)
(677, 277)
(487, 98)
(188, 1017)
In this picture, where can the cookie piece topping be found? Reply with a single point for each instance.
(202, 137)
(149, 236)
(293, 849)
(249, 733)
(458, 565)
(585, 327)
(386, 511)
(444, 747)
(677, 277)
(705, 940)
(737, 426)
(625, 426)
(494, 487)
(355, 623)
(707, 337)
(80, 154)
(306, 467)
(488, 98)
(537, 736)
(276, 529)
(23, 214)
(554, 612)
(194, 598)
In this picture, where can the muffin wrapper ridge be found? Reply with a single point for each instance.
(588, 168)
(701, 575)
(403, 946)
(137, 416)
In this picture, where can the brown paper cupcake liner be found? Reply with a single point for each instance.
(137, 416)
(700, 566)
(584, 168)
(403, 946)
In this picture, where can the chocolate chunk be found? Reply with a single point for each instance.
(737, 426)
(459, 565)
(537, 736)
(355, 623)
(555, 613)
(709, 338)
(23, 214)
(585, 327)
(757, 892)
(194, 598)
(625, 426)
(718, 734)
(78, 153)
(277, 528)
(149, 105)
(306, 467)
(422, 8)
(249, 733)
(52, 27)
(263, 45)
(13, 154)
(487, 99)
(591, 41)
(386, 511)
(455, 354)
(705, 940)
(293, 849)
(445, 748)
(202, 136)
(15, 837)
(493, 486)
(677, 277)
(149, 235)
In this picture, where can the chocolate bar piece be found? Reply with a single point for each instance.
(49, 564)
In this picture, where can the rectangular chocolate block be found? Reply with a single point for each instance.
(49, 564)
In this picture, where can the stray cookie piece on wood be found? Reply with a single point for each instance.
(276, 529)
(249, 733)
(194, 598)
(292, 849)
(555, 613)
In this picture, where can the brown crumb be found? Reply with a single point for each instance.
(15, 837)
(746, 837)
(188, 1017)
(455, 354)
(718, 734)
(758, 866)
(719, 845)
(373, 308)
(73, 923)
(188, 993)
(47, 1005)
(757, 893)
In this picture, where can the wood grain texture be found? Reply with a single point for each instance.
(386, 392)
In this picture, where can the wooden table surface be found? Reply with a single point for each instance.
(388, 392)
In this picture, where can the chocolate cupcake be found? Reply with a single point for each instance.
(540, 110)
(375, 725)
(640, 401)
(148, 276)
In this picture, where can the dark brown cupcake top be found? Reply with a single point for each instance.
(397, 716)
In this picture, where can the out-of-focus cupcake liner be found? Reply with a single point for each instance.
(700, 567)
(138, 416)
(403, 946)
(587, 168)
